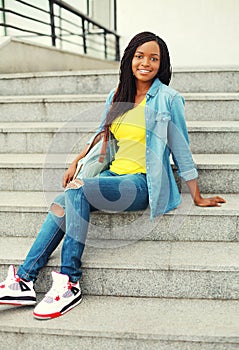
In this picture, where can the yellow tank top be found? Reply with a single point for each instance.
(129, 130)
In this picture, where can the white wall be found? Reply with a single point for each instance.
(198, 32)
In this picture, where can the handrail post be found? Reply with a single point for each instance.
(4, 18)
(105, 43)
(84, 37)
(117, 49)
(53, 33)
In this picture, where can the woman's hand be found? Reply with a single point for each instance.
(210, 202)
(199, 200)
(69, 174)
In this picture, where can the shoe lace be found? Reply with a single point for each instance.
(55, 291)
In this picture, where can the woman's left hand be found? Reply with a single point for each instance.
(210, 202)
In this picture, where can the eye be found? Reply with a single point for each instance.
(154, 59)
(139, 56)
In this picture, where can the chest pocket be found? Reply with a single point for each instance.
(161, 125)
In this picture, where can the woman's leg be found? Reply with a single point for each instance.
(107, 192)
(48, 238)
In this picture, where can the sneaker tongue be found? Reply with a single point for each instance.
(11, 272)
(59, 278)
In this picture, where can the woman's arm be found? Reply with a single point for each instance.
(179, 144)
(199, 200)
(69, 174)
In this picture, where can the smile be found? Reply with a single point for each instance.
(144, 71)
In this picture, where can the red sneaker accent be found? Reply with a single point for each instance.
(47, 316)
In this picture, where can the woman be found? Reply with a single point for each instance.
(146, 118)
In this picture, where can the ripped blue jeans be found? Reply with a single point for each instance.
(110, 192)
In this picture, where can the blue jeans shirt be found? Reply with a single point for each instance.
(166, 134)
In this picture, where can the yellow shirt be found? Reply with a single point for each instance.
(129, 130)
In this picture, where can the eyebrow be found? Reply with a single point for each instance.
(152, 54)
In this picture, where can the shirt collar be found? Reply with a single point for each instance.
(154, 87)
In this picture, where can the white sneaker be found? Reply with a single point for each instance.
(62, 297)
(15, 291)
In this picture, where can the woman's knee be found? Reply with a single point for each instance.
(57, 210)
(58, 206)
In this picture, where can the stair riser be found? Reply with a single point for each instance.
(44, 142)
(206, 81)
(48, 341)
(74, 142)
(52, 111)
(212, 110)
(73, 84)
(178, 227)
(214, 142)
(92, 111)
(31, 179)
(218, 181)
(148, 283)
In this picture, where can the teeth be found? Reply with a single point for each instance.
(144, 71)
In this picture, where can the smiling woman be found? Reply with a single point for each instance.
(145, 65)
(146, 119)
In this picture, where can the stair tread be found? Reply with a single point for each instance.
(139, 255)
(113, 317)
(31, 200)
(22, 160)
(98, 72)
(198, 96)
(64, 74)
(90, 126)
(48, 126)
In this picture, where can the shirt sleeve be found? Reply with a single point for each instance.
(178, 141)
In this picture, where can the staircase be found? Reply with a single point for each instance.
(168, 285)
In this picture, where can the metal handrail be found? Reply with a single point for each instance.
(85, 28)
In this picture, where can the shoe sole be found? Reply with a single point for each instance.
(17, 303)
(59, 313)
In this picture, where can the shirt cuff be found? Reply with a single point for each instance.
(189, 175)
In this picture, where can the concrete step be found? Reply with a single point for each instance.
(69, 108)
(22, 214)
(214, 136)
(101, 323)
(60, 137)
(203, 270)
(37, 172)
(224, 79)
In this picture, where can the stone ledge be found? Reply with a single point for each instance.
(128, 323)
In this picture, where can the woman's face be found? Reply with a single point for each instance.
(146, 62)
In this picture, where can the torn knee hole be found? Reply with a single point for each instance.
(57, 210)
(75, 184)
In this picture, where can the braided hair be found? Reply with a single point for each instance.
(124, 96)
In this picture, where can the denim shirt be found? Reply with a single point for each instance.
(166, 134)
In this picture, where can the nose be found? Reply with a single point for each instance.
(145, 61)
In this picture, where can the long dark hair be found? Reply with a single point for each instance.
(126, 89)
